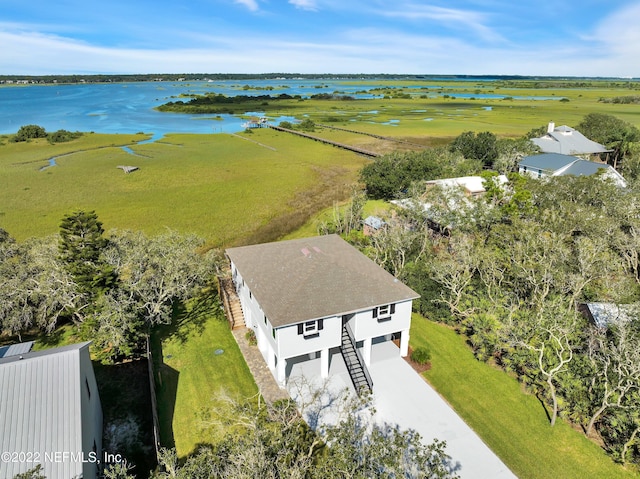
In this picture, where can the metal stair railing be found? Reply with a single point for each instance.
(359, 357)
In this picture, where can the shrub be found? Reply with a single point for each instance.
(307, 125)
(251, 337)
(28, 132)
(61, 136)
(421, 355)
(286, 124)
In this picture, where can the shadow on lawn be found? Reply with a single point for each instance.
(190, 318)
(128, 423)
(187, 320)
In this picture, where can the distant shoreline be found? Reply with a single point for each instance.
(25, 80)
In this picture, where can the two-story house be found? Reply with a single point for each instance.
(318, 296)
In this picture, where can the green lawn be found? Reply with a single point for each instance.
(511, 422)
(192, 375)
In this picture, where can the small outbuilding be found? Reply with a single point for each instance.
(372, 224)
(50, 413)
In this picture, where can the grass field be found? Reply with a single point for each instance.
(191, 375)
(222, 187)
(511, 422)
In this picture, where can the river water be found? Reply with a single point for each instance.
(129, 107)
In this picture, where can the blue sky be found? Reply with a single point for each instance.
(528, 37)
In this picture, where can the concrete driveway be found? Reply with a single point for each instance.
(402, 397)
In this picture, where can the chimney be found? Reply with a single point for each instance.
(551, 127)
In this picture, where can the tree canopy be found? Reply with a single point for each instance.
(114, 288)
(509, 273)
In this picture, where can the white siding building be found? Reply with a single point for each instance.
(50, 413)
(306, 297)
(554, 164)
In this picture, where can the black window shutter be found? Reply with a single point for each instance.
(393, 308)
(300, 328)
(320, 324)
(375, 312)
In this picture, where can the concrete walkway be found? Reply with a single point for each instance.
(402, 397)
(265, 381)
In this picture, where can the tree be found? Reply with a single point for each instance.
(29, 132)
(159, 271)
(399, 243)
(615, 355)
(610, 131)
(482, 146)
(118, 470)
(358, 449)
(34, 473)
(81, 247)
(550, 335)
(346, 218)
(390, 176)
(273, 441)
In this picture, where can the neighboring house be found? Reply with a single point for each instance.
(603, 314)
(567, 141)
(372, 224)
(554, 164)
(50, 413)
(15, 349)
(318, 296)
(471, 185)
(460, 201)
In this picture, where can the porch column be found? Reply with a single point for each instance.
(404, 343)
(281, 371)
(324, 363)
(366, 352)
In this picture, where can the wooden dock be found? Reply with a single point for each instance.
(355, 149)
(380, 137)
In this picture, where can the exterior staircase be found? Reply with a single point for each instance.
(355, 364)
(231, 303)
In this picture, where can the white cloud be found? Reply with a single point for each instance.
(367, 50)
(451, 17)
(310, 5)
(250, 4)
(620, 32)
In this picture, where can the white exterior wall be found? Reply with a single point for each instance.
(364, 326)
(291, 344)
(532, 172)
(91, 409)
(254, 317)
(287, 343)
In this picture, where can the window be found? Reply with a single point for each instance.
(383, 313)
(311, 329)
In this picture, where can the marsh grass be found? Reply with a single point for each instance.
(217, 186)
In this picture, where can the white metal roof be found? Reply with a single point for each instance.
(567, 141)
(15, 349)
(473, 184)
(40, 410)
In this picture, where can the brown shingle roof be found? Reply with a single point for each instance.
(303, 279)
